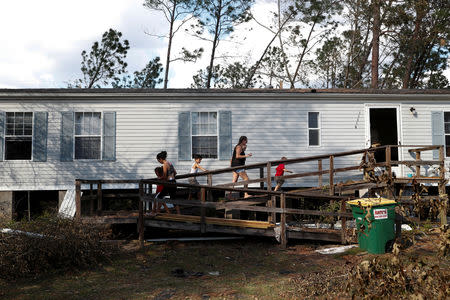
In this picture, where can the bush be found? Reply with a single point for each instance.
(51, 243)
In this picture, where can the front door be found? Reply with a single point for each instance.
(383, 129)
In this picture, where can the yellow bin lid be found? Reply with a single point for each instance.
(371, 201)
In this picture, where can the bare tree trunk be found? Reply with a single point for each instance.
(375, 42)
(215, 41)
(411, 49)
(169, 47)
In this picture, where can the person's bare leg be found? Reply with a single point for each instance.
(245, 178)
(235, 179)
(277, 187)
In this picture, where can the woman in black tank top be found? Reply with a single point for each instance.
(238, 159)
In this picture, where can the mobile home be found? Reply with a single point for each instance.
(50, 137)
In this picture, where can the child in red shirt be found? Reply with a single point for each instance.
(160, 192)
(280, 171)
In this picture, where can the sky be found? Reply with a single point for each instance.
(41, 41)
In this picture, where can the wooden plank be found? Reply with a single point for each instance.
(215, 221)
(141, 226)
(423, 149)
(261, 176)
(99, 198)
(343, 222)
(417, 166)
(319, 162)
(416, 163)
(277, 162)
(283, 235)
(78, 199)
(317, 236)
(442, 192)
(331, 175)
(202, 211)
(211, 228)
(91, 194)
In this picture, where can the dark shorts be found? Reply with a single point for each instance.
(279, 181)
(193, 181)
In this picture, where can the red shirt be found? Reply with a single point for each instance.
(280, 170)
(159, 188)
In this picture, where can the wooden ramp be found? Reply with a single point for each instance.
(283, 212)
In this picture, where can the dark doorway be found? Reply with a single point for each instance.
(383, 130)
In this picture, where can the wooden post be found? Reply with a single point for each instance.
(331, 172)
(417, 166)
(99, 198)
(91, 194)
(78, 199)
(261, 176)
(29, 206)
(202, 211)
(283, 233)
(320, 170)
(272, 201)
(343, 222)
(141, 225)
(209, 181)
(388, 161)
(442, 191)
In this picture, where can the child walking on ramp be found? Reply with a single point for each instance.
(194, 170)
(160, 192)
(280, 172)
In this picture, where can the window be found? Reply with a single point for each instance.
(447, 133)
(204, 134)
(18, 135)
(313, 129)
(88, 137)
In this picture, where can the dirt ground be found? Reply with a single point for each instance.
(239, 269)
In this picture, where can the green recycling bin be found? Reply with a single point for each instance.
(375, 222)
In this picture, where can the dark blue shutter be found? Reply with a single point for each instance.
(40, 136)
(184, 135)
(67, 130)
(109, 136)
(2, 134)
(225, 129)
(437, 131)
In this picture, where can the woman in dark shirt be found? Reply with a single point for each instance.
(238, 159)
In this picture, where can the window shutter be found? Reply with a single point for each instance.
(225, 129)
(184, 135)
(2, 134)
(40, 129)
(67, 128)
(109, 136)
(437, 130)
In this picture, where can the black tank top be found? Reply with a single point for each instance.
(237, 161)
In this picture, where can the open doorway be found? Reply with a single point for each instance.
(384, 131)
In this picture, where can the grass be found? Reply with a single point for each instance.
(247, 269)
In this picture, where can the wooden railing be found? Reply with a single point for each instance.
(275, 202)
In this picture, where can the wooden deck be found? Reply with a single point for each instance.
(266, 203)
